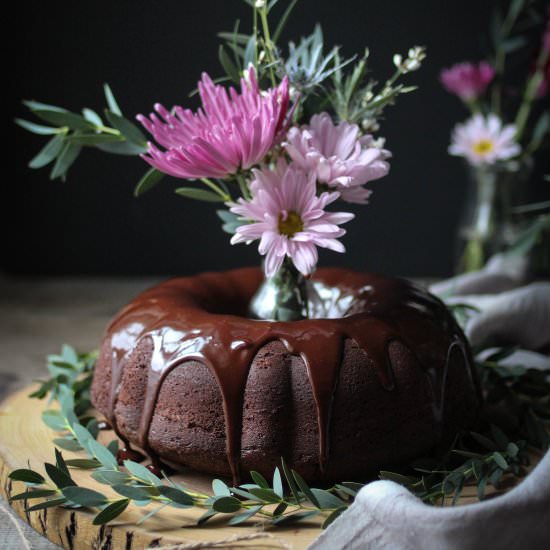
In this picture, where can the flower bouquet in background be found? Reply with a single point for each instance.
(500, 141)
(274, 154)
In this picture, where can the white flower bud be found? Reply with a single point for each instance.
(259, 4)
(397, 60)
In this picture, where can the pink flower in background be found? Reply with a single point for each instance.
(338, 156)
(466, 80)
(484, 141)
(230, 131)
(288, 218)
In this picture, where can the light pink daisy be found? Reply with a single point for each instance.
(231, 131)
(338, 156)
(466, 80)
(484, 141)
(288, 218)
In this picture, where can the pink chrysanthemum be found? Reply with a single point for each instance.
(484, 141)
(288, 218)
(338, 156)
(230, 131)
(466, 80)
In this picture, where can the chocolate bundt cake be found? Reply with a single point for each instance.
(384, 375)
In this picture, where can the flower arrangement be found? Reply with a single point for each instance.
(295, 138)
(506, 129)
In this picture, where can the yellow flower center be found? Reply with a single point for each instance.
(483, 147)
(290, 224)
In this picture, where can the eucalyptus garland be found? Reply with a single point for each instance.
(481, 458)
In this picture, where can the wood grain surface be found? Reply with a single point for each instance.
(23, 437)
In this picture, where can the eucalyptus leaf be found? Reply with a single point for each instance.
(34, 493)
(64, 118)
(259, 479)
(55, 420)
(59, 477)
(305, 488)
(226, 505)
(39, 106)
(36, 128)
(150, 179)
(500, 460)
(92, 117)
(267, 495)
(278, 483)
(122, 148)
(295, 517)
(64, 161)
(48, 153)
(326, 500)
(128, 129)
(220, 488)
(83, 463)
(54, 503)
(134, 492)
(244, 516)
(333, 515)
(102, 454)
(111, 101)
(26, 475)
(198, 194)
(111, 512)
(84, 497)
(141, 472)
(94, 139)
(176, 495)
(111, 477)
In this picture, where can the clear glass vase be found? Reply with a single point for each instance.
(489, 222)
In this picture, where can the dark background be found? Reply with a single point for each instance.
(152, 51)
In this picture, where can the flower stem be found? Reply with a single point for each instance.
(218, 190)
(268, 43)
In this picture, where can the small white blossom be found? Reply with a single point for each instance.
(259, 4)
(413, 61)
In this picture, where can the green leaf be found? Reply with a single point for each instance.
(333, 515)
(241, 518)
(206, 516)
(28, 476)
(246, 494)
(226, 505)
(290, 480)
(327, 500)
(280, 508)
(122, 148)
(64, 161)
(134, 492)
(397, 478)
(84, 497)
(229, 67)
(92, 117)
(111, 512)
(293, 518)
(110, 477)
(55, 420)
(128, 129)
(267, 495)
(177, 495)
(512, 449)
(220, 488)
(278, 483)
(305, 488)
(111, 101)
(64, 118)
(102, 454)
(36, 128)
(60, 463)
(198, 194)
(48, 504)
(481, 487)
(259, 479)
(92, 140)
(500, 461)
(150, 179)
(59, 477)
(35, 493)
(37, 105)
(48, 153)
(83, 463)
(141, 472)
(231, 221)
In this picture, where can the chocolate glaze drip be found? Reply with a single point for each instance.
(203, 318)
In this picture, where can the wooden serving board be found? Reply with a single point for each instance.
(25, 438)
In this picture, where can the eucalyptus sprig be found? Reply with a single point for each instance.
(72, 131)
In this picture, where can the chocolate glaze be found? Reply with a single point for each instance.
(204, 318)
